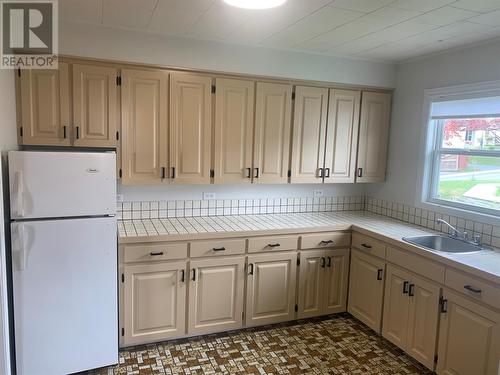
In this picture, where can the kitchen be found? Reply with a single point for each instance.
(199, 187)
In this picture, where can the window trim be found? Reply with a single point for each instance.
(427, 170)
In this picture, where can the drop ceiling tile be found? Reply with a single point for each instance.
(81, 11)
(321, 21)
(491, 19)
(465, 28)
(482, 6)
(173, 21)
(421, 5)
(366, 6)
(195, 6)
(445, 15)
(127, 13)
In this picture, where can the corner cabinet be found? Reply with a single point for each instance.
(373, 137)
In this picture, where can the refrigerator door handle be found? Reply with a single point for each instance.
(19, 247)
(19, 191)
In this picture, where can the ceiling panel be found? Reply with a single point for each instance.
(491, 19)
(177, 17)
(366, 6)
(81, 11)
(478, 5)
(445, 15)
(421, 5)
(134, 14)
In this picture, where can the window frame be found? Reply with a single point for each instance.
(432, 139)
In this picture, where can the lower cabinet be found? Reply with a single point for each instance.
(469, 338)
(270, 288)
(410, 318)
(154, 302)
(323, 279)
(216, 295)
(366, 288)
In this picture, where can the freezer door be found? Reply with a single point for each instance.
(61, 184)
(65, 295)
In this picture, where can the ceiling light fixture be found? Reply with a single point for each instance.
(255, 4)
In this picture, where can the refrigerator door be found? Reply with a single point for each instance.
(61, 184)
(65, 295)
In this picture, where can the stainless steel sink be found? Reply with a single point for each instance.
(443, 243)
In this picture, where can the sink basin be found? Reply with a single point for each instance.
(443, 243)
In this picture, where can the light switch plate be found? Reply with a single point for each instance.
(318, 193)
(208, 196)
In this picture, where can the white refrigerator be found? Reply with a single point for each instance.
(64, 261)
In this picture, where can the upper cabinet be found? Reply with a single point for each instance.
(273, 113)
(190, 128)
(234, 116)
(95, 113)
(144, 127)
(309, 132)
(373, 137)
(52, 115)
(45, 110)
(342, 136)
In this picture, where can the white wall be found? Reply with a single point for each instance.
(109, 43)
(471, 65)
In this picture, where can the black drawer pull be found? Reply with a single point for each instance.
(273, 244)
(326, 242)
(183, 276)
(173, 172)
(194, 274)
(64, 132)
(250, 269)
(249, 173)
(156, 254)
(163, 173)
(77, 132)
(366, 246)
(323, 262)
(329, 264)
(411, 290)
(256, 173)
(379, 274)
(360, 172)
(405, 287)
(219, 249)
(472, 289)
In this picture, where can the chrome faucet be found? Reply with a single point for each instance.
(464, 236)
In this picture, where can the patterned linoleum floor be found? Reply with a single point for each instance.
(338, 344)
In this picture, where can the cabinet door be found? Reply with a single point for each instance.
(95, 108)
(396, 306)
(233, 131)
(342, 136)
(216, 295)
(270, 288)
(336, 281)
(469, 338)
(423, 321)
(366, 289)
(311, 281)
(45, 115)
(309, 131)
(373, 136)
(190, 128)
(154, 302)
(273, 113)
(144, 126)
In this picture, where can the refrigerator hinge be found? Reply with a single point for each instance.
(123, 278)
(118, 80)
(20, 131)
(120, 173)
(123, 331)
(117, 135)
(296, 308)
(213, 89)
(212, 173)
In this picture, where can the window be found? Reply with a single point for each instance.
(465, 154)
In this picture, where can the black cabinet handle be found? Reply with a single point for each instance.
(444, 305)
(173, 172)
(64, 131)
(327, 172)
(256, 173)
(472, 289)
(194, 274)
(320, 172)
(273, 244)
(323, 262)
(405, 287)
(163, 172)
(250, 269)
(366, 246)
(156, 254)
(360, 172)
(183, 275)
(411, 290)
(77, 132)
(329, 264)
(379, 274)
(325, 242)
(219, 249)
(249, 172)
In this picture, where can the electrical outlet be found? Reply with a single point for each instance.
(208, 196)
(119, 198)
(318, 193)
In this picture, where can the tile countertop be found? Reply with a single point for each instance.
(485, 264)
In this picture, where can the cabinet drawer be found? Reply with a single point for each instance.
(154, 252)
(273, 243)
(322, 240)
(217, 248)
(368, 245)
(473, 287)
(421, 266)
